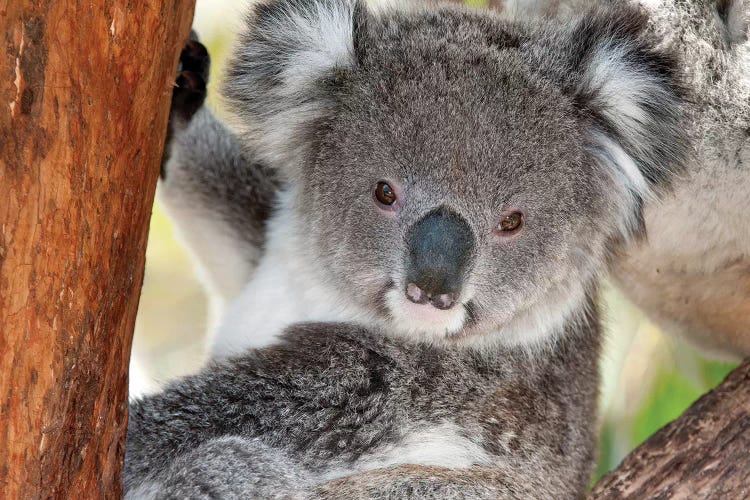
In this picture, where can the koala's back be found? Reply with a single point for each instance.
(693, 272)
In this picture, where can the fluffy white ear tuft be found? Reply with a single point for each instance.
(632, 102)
(637, 105)
(275, 85)
(630, 93)
(323, 36)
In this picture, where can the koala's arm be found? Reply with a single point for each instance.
(217, 195)
(332, 400)
(420, 481)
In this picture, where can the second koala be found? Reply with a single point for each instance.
(429, 197)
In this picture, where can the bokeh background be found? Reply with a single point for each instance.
(648, 377)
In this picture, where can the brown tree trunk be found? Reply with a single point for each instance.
(705, 453)
(84, 100)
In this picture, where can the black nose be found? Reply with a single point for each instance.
(441, 245)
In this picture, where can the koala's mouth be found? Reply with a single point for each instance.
(423, 319)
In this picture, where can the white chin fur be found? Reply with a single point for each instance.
(422, 320)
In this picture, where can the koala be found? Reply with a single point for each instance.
(407, 220)
(692, 274)
(289, 285)
(689, 283)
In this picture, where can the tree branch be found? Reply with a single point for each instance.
(85, 93)
(705, 453)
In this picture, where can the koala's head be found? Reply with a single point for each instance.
(457, 174)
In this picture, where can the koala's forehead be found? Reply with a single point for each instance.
(476, 110)
(453, 76)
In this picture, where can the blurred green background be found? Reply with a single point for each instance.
(648, 378)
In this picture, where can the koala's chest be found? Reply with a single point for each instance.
(283, 291)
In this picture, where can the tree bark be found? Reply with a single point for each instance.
(705, 453)
(84, 101)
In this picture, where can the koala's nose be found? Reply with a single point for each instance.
(441, 245)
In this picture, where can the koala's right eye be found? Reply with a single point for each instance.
(385, 194)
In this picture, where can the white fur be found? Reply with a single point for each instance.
(147, 490)
(627, 182)
(624, 166)
(619, 89)
(286, 288)
(325, 37)
(738, 19)
(441, 446)
(423, 320)
(225, 260)
(540, 322)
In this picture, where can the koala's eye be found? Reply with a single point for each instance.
(385, 194)
(510, 223)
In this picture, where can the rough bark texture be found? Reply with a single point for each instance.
(705, 453)
(84, 99)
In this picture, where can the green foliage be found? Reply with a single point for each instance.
(674, 388)
(672, 394)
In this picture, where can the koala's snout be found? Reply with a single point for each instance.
(441, 245)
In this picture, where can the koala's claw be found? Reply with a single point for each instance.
(187, 96)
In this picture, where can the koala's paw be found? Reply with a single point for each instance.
(189, 92)
(192, 77)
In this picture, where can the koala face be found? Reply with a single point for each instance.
(458, 176)
(458, 197)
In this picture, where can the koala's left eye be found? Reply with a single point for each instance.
(510, 223)
(385, 194)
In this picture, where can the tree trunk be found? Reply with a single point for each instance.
(83, 111)
(705, 453)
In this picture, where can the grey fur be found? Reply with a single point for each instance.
(210, 182)
(440, 101)
(332, 394)
(692, 275)
(573, 124)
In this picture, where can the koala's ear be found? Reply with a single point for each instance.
(276, 82)
(631, 96)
